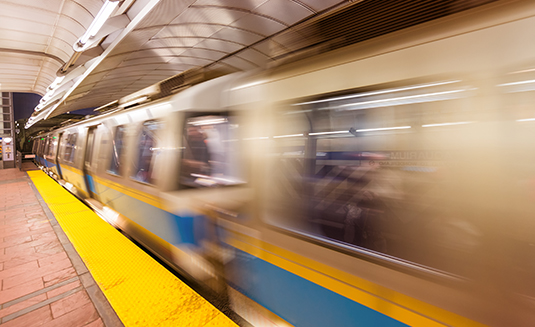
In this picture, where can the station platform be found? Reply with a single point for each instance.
(62, 265)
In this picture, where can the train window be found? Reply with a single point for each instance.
(117, 150)
(51, 145)
(70, 147)
(362, 170)
(45, 146)
(210, 156)
(148, 143)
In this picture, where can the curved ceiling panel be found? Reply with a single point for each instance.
(188, 30)
(159, 39)
(40, 35)
(204, 53)
(243, 4)
(259, 24)
(294, 11)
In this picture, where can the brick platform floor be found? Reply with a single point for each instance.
(43, 280)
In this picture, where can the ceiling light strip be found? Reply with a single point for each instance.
(139, 17)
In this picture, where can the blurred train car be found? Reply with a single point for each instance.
(385, 183)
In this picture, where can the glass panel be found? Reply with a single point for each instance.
(148, 142)
(5, 110)
(73, 146)
(7, 125)
(210, 155)
(51, 146)
(117, 150)
(89, 147)
(70, 147)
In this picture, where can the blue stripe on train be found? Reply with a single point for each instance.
(170, 227)
(39, 160)
(297, 300)
(91, 183)
(47, 163)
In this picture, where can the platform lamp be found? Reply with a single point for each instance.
(105, 12)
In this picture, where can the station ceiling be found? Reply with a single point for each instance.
(145, 42)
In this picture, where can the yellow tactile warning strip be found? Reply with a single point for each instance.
(141, 291)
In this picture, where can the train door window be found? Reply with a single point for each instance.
(70, 147)
(38, 148)
(90, 145)
(45, 147)
(117, 150)
(54, 146)
(210, 156)
(51, 146)
(148, 151)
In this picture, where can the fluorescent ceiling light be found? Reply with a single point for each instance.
(103, 15)
(382, 129)
(518, 83)
(283, 136)
(56, 82)
(365, 94)
(329, 133)
(447, 124)
(527, 119)
(256, 138)
(523, 71)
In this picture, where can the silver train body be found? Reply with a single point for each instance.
(391, 182)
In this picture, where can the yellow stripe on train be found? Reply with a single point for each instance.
(386, 301)
(139, 195)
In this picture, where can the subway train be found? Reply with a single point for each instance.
(390, 182)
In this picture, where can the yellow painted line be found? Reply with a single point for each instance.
(140, 290)
(393, 304)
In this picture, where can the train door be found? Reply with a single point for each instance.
(44, 149)
(87, 166)
(56, 157)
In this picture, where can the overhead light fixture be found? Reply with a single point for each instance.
(518, 83)
(329, 133)
(284, 136)
(382, 129)
(105, 12)
(447, 124)
(56, 82)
